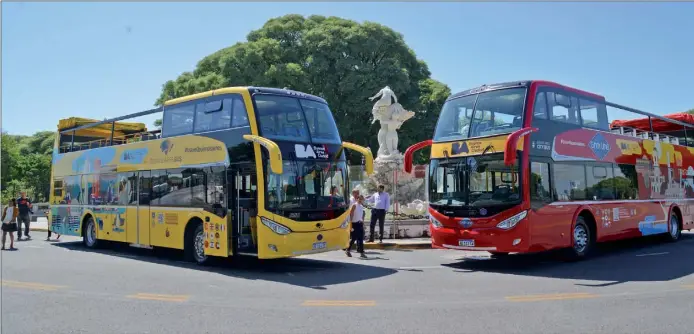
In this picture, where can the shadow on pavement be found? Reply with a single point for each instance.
(309, 273)
(635, 260)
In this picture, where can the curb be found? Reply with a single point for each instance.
(38, 229)
(392, 245)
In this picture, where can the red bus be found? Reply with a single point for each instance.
(530, 166)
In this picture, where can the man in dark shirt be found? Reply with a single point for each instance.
(24, 206)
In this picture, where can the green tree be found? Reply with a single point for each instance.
(341, 60)
(26, 165)
(10, 156)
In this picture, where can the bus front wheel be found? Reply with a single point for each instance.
(195, 245)
(581, 239)
(89, 234)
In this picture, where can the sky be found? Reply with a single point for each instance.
(100, 60)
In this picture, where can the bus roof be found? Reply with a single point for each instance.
(226, 90)
(251, 89)
(522, 83)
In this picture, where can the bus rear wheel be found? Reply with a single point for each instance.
(89, 234)
(674, 229)
(581, 239)
(195, 245)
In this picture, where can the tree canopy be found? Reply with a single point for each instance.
(26, 165)
(343, 61)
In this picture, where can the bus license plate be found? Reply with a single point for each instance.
(319, 245)
(466, 243)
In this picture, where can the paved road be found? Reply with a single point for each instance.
(633, 287)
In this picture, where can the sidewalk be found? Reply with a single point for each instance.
(41, 225)
(410, 243)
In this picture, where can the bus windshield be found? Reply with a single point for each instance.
(295, 119)
(307, 185)
(474, 183)
(484, 114)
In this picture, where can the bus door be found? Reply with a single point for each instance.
(143, 217)
(244, 207)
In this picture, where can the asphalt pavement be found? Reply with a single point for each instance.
(643, 286)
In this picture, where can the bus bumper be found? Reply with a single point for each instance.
(272, 245)
(480, 239)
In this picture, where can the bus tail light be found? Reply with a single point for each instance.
(510, 223)
(275, 227)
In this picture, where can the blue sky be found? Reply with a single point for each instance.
(109, 59)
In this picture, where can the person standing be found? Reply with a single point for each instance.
(49, 232)
(24, 205)
(381, 202)
(9, 225)
(356, 216)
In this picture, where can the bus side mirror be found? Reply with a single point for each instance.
(366, 152)
(273, 151)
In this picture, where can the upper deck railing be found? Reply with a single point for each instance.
(112, 140)
(678, 132)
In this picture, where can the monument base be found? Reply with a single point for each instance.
(405, 189)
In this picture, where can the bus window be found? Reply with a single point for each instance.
(178, 120)
(600, 182)
(594, 114)
(498, 112)
(320, 122)
(281, 117)
(454, 120)
(239, 116)
(625, 182)
(539, 184)
(213, 115)
(562, 108)
(569, 182)
(540, 108)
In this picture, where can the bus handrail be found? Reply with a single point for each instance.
(273, 151)
(366, 152)
(409, 153)
(511, 143)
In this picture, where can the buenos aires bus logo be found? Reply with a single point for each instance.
(599, 146)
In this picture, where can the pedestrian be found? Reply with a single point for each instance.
(24, 205)
(49, 231)
(381, 202)
(356, 217)
(9, 224)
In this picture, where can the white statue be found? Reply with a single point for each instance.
(391, 116)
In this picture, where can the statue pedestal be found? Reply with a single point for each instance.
(405, 189)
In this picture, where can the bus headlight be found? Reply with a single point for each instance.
(510, 223)
(275, 227)
(436, 223)
(345, 223)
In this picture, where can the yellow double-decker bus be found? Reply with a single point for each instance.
(233, 171)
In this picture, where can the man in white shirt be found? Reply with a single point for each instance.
(356, 216)
(381, 202)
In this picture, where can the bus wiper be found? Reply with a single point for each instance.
(490, 146)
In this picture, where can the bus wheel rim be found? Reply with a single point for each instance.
(91, 233)
(674, 226)
(580, 238)
(199, 246)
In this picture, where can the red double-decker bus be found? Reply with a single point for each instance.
(532, 166)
